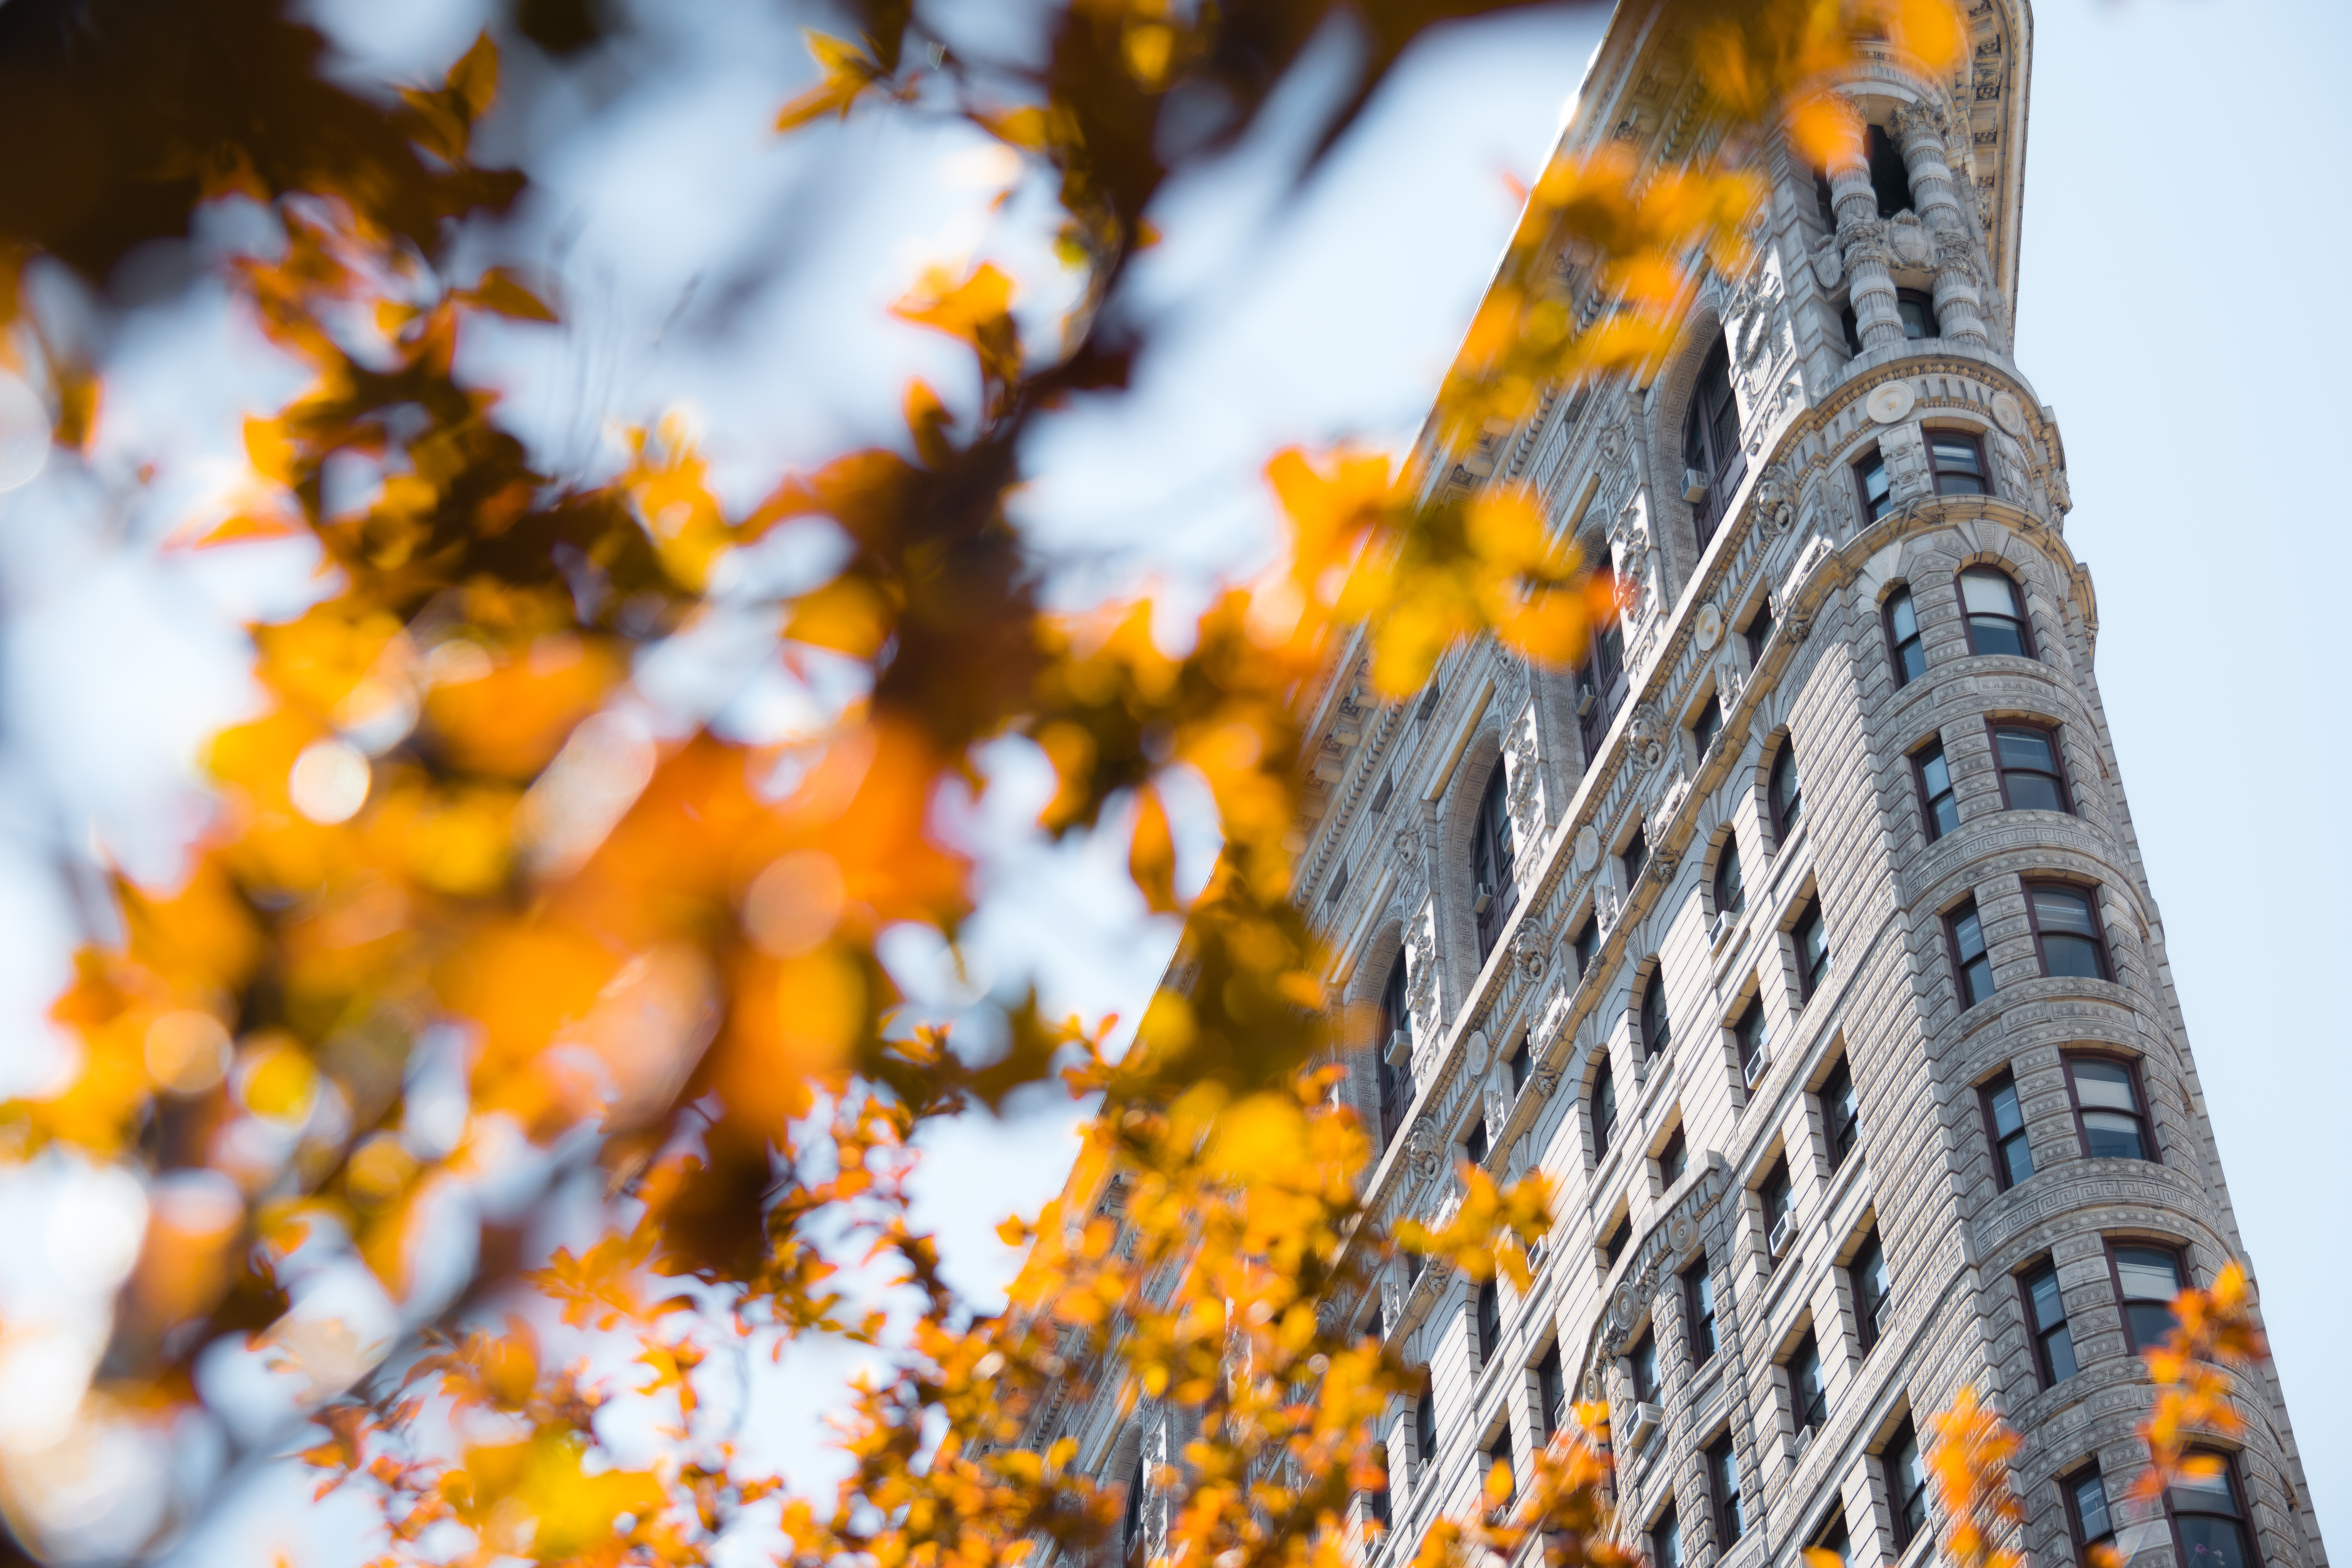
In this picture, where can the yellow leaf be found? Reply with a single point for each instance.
(847, 71)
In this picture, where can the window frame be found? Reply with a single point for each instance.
(1699, 1311)
(2248, 1547)
(2180, 1273)
(1603, 1078)
(1644, 1349)
(1491, 844)
(1898, 1502)
(1895, 644)
(1585, 946)
(1867, 1332)
(1677, 1150)
(1784, 823)
(1703, 735)
(1424, 1430)
(2049, 733)
(1744, 1049)
(1668, 1525)
(1930, 821)
(1927, 303)
(1392, 1083)
(1809, 981)
(1634, 858)
(2046, 1372)
(1862, 468)
(1727, 858)
(2131, 1065)
(1702, 419)
(1953, 946)
(1489, 1310)
(2086, 890)
(1655, 986)
(1841, 1067)
(1975, 439)
(1551, 1390)
(1757, 635)
(1728, 1515)
(2017, 597)
(1801, 1410)
(1986, 1093)
(1778, 1169)
(2067, 1484)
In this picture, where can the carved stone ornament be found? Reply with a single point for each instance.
(1648, 723)
(1706, 630)
(1474, 1053)
(1908, 238)
(1890, 401)
(1421, 1149)
(1775, 494)
(2007, 413)
(1588, 848)
(1829, 266)
(1529, 953)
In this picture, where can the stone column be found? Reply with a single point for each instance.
(1960, 308)
(1862, 237)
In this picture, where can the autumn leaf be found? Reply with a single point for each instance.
(846, 72)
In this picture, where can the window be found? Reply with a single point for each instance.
(2066, 930)
(1873, 1293)
(1641, 1365)
(1615, 1248)
(1785, 795)
(1956, 459)
(1996, 620)
(1604, 1112)
(1759, 632)
(1723, 1480)
(1698, 1313)
(1730, 892)
(2110, 1115)
(1381, 795)
(1917, 309)
(1586, 942)
(1903, 637)
(1395, 1080)
(1808, 1396)
(1711, 449)
(1877, 492)
(1601, 683)
(1498, 1452)
(1493, 894)
(1832, 1538)
(1773, 1189)
(1551, 1386)
(1490, 1319)
(1473, 1145)
(1749, 1035)
(1940, 808)
(1424, 1428)
(1131, 1527)
(2045, 1315)
(1636, 856)
(1667, 1541)
(1890, 177)
(1906, 1483)
(2012, 1157)
(1519, 1064)
(2087, 1512)
(1658, 1030)
(1811, 936)
(2209, 1522)
(2147, 1279)
(2033, 777)
(1377, 1497)
(1674, 1159)
(1973, 962)
(1841, 1112)
(1708, 725)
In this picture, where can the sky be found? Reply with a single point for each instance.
(2153, 317)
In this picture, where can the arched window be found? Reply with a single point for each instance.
(1658, 1030)
(1600, 685)
(1396, 1082)
(1996, 618)
(1785, 795)
(1903, 637)
(1730, 893)
(1711, 450)
(1493, 894)
(1604, 1112)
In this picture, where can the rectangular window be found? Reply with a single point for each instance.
(1667, 1541)
(1811, 934)
(2066, 930)
(1759, 632)
(1871, 481)
(1498, 1452)
(1474, 1147)
(1940, 808)
(1957, 462)
(1490, 1319)
(1872, 1296)
(1832, 1538)
(2087, 1512)
(1774, 1192)
(1636, 856)
(1906, 1483)
(1698, 1313)
(1587, 942)
(2032, 772)
(1808, 1395)
(1551, 1384)
(1674, 1159)
(1840, 1113)
(1750, 1037)
(1424, 1428)
(2045, 1314)
(1615, 1248)
(2012, 1156)
(1723, 1480)
(2110, 1114)
(2146, 1280)
(1707, 726)
(1381, 797)
(1970, 961)
(2208, 1519)
(1642, 1361)
(1903, 641)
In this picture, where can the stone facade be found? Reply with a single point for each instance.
(1781, 621)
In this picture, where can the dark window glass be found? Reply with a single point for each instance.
(1866, 1277)
(1636, 856)
(1551, 1383)
(1658, 1030)
(1519, 1066)
(2086, 1500)
(1424, 1428)
(1601, 683)
(1906, 1484)
(1968, 953)
(2107, 1102)
(1833, 1538)
(1493, 892)
(2045, 1310)
(2209, 1523)
(1379, 1497)
(1806, 1390)
(1474, 1147)
(1890, 176)
(1774, 1192)
(1490, 1318)
(1749, 1035)
(1730, 891)
(1130, 1526)
(1587, 942)
(2148, 1278)
(1708, 726)
(2066, 924)
(1674, 1159)
(1840, 1113)
(1877, 492)
(1615, 1248)
(1940, 808)
(1723, 1480)
(1903, 637)
(1957, 463)
(1604, 1112)
(1498, 1452)
(1786, 793)
(1642, 1362)
(1996, 620)
(1667, 1541)
(1919, 314)
(1395, 1078)
(1698, 1313)
(1711, 448)
(1759, 632)
(2012, 1156)
(2031, 776)
(1811, 935)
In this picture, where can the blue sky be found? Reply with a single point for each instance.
(2168, 312)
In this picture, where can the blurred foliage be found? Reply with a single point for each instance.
(442, 821)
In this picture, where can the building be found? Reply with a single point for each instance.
(1803, 937)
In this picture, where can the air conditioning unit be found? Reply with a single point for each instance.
(1724, 920)
(1694, 485)
(1399, 1048)
(1804, 1440)
(1784, 1234)
(1585, 698)
(1647, 1419)
(1879, 1314)
(1756, 1064)
(1485, 896)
